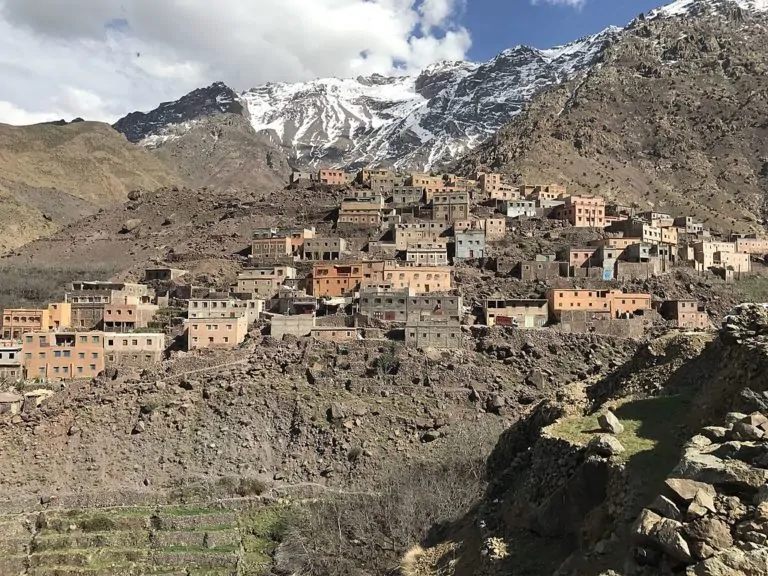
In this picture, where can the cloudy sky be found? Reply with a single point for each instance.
(100, 59)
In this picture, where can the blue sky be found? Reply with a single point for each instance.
(499, 24)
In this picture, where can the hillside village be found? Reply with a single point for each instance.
(386, 269)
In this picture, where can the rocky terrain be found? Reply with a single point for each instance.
(54, 174)
(672, 119)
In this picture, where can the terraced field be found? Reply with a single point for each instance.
(164, 540)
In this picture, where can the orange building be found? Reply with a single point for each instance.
(218, 333)
(332, 177)
(585, 300)
(416, 279)
(63, 355)
(334, 280)
(19, 321)
(128, 313)
(618, 243)
(582, 211)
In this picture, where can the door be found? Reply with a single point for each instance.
(529, 322)
(471, 254)
(426, 287)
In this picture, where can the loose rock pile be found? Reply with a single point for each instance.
(712, 519)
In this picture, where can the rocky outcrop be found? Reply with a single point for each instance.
(713, 518)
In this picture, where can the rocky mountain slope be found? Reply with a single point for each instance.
(422, 120)
(54, 174)
(673, 119)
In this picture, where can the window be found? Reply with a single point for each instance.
(110, 342)
(67, 353)
(29, 339)
(95, 355)
(81, 355)
(65, 369)
(41, 355)
(41, 370)
(134, 342)
(55, 369)
(95, 339)
(93, 367)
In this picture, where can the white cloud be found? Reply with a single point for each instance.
(102, 59)
(571, 3)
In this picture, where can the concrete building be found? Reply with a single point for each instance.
(704, 251)
(543, 192)
(224, 306)
(388, 305)
(299, 326)
(10, 361)
(448, 207)
(431, 185)
(298, 176)
(128, 313)
(63, 355)
(89, 299)
(366, 175)
(756, 246)
(422, 231)
(637, 252)
(739, 262)
(621, 243)
(331, 177)
(433, 334)
(470, 244)
(427, 254)
(407, 196)
(334, 280)
(417, 279)
(163, 274)
(689, 225)
(19, 321)
(494, 228)
(520, 313)
(264, 282)
(138, 349)
(582, 211)
(581, 257)
(685, 314)
(327, 248)
(216, 333)
(615, 302)
(290, 302)
(519, 208)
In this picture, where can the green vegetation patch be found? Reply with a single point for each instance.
(263, 530)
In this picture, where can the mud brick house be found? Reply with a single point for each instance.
(63, 355)
(521, 313)
(688, 225)
(470, 244)
(128, 313)
(582, 211)
(335, 334)
(297, 176)
(542, 191)
(621, 243)
(388, 305)
(332, 177)
(539, 270)
(494, 228)
(18, 321)
(10, 403)
(365, 175)
(430, 184)
(704, 251)
(216, 333)
(273, 244)
(334, 280)
(449, 207)
(299, 325)
(685, 314)
(264, 282)
(326, 248)
(407, 196)
(10, 361)
(427, 254)
(580, 257)
(88, 300)
(383, 185)
(423, 231)
(614, 302)
(362, 212)
(163, 274)
(138, 349)
(433, 334)
(739, 262)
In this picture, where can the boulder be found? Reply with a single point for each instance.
(712, 470)
(711, 531)
(610, 423)
(644, 525)
(604, 445)
(745, 431)
(703, 503)
(667, 535)
(755, 419)
(135, 195)
(714, 433)
(130, 225)
(734, 562)
(668, 509)
(335, 412)
(684, 490)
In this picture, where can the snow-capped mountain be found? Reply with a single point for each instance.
(408, 121)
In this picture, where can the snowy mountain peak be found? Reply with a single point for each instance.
(694, 7)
